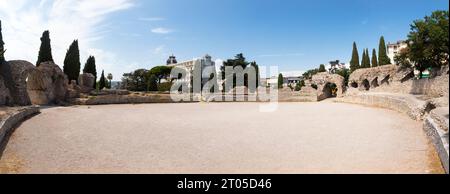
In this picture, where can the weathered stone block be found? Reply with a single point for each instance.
(86, 82)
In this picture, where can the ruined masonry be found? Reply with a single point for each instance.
(22, 84)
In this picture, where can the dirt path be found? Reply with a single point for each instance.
(219, 138)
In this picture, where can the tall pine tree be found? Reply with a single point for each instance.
(45, 51)
(374, 58)
(2, 50)
(354, 63)
(102, 82)
(383, 58)
(72, 61)
(280, 81)
(322, 68)
(90, 67)
(367, 59)
(363, 59)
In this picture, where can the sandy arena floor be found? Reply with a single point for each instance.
(219, 138)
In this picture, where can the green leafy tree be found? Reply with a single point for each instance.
(90, 67)
(310, 73)
(152, 83)
(428, 41)
(161, 72)
(374, 58)
(240, 60)
(258, 78)
(299, 85)
(137, 80)
(322, 68)
(45, 51)
(102, 82)
(383, 58)
(403, 59)
(72, 61)
(344, 73)
(280, 81)
(2, 50)
(354, 63)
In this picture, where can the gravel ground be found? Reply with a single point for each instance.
(219, 138)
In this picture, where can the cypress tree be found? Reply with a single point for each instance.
(90, 67)
(45, 51)
(72, 61)
(374, 58)
(2, 50)
(102, 82)
(354, 63)
(363, 59)
(280, 81)
(322, 68)
(383, 58)
(367, 59)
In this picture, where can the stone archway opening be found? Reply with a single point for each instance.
(330, 90)
(366, 85)
(374, 83)
(354, 85)
(385, 80)
(408, 77)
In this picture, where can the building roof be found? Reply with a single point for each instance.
(172, 60)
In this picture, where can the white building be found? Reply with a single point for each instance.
(393, 49)
(291, 78)
(335, 66)
(190, 65)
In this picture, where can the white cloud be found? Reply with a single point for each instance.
(152, 19)
(161, 30)
(159, 50)
(24, 21)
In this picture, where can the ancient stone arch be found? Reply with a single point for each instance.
(324, 81)
(328, 90)
(368, 78)
(20, 72)
(374, 83)
(365, 85)
(385, 80)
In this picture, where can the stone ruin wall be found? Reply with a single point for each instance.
(383, 79)
(395, 79)
(22, 84)
(322, 81)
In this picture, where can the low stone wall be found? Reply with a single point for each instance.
(433, 88)
(13, 117)
(408, 104)
(123, 99)
(439, 137)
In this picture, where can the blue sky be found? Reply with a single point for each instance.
(296, 35)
